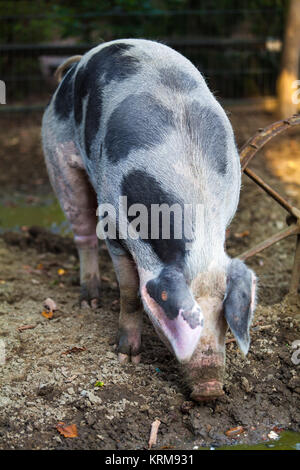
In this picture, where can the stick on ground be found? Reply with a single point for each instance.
(153, 433)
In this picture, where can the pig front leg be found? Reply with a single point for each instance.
(131, 311)
(87, 246)
(79, 203)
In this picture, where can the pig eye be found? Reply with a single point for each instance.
(164, 295)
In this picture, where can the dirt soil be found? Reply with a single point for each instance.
(51, 368)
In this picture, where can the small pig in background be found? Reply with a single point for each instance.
(134, 118)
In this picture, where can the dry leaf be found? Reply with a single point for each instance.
(47, 314)
(234, 432)
(243, 234)
(67, 430)
(75, 349)
(61, 272)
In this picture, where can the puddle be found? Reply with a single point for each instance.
(288, 441)
(19, 210)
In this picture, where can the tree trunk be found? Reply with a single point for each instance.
(289, 73)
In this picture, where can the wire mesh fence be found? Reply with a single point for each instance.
(237, 50)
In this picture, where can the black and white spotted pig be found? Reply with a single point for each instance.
(135, 118)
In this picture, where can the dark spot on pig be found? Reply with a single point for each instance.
(141, 188)
(92, 118)
(64, 97)
(114, 64)
(171, 280)
(139, 122)
(177, 80)
(80, 91)
(108, 64)
(207, 130)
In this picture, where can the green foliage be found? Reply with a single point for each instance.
(93, 21)
(18, 25)
(88, 20)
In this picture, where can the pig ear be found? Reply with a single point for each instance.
(239, 302)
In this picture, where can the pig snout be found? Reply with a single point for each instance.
(204, 375)
(174, 313)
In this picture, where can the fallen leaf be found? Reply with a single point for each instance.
(47, 314)
(75, 349)
(99, 384)
(277, 429)
(61, 272)
(67, 430)
(2, 282)
(243, 234)
(234, 432)
(25, 327)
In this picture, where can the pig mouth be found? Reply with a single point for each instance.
(181, 334)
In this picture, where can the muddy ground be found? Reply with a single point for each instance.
(51, 368)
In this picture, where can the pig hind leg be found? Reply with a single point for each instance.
(78, 201)
(131, 311)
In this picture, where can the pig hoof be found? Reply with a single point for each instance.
(207, 391)
(94, 303)
(123, 358)
(136, 359)
(84, 304)
(126, 358)
(90, 293)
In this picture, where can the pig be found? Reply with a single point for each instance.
(134, 119)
